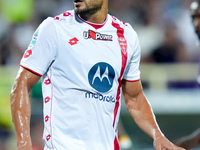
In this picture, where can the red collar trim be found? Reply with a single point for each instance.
(95, 25)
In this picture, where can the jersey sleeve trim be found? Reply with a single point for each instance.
(132, 80)
(31, 70)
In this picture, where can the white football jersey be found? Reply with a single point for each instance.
(82, 65)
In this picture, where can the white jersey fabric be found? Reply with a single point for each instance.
(82, 65)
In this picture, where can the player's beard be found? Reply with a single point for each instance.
(90, 8)
(198, 34)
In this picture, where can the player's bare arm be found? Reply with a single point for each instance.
(141, 111)
(20, 106)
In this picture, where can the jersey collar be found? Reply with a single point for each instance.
(95, 25)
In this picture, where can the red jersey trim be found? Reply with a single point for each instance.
(122, 40)
(132, 80)
(51, 109)
(116, 144)
(31, 70)
(120, 34)
(96, 26)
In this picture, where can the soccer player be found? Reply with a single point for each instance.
(193, 140)
(86, 59)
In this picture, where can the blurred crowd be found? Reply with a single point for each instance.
(164, 28)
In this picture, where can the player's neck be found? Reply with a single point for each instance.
(98, 17)
(93, 19)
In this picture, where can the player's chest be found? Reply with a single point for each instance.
(88, 47)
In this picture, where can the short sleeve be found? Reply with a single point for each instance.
(132, 72)
(42, 50)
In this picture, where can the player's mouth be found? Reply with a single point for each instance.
(77, 2)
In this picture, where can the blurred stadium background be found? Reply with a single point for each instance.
(169, 63)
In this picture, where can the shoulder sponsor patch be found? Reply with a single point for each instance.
(34, 39)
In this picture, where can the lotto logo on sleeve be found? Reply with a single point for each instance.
(101, 77)
(27, 53)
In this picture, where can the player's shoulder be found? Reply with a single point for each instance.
(46, 24)
(66, 16)
(124, 25)
(52, 22)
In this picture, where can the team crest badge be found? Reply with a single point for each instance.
(123, 45)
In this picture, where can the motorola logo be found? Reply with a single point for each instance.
(101, 77)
